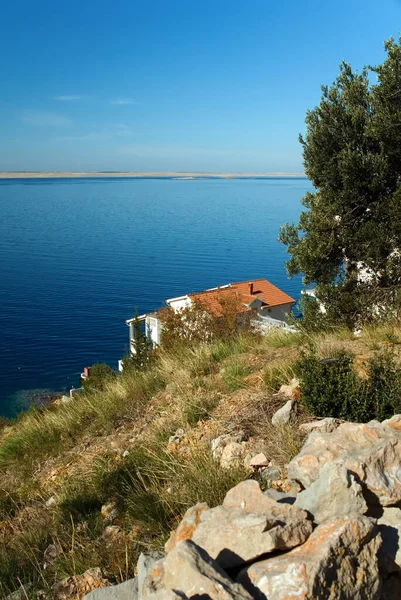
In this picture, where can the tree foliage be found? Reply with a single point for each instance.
(352, 221)
(143, 348)
(198, 322)
(100, 375)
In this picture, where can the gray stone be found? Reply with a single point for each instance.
(334, 493)
(248, 525)
(191, 573)
(284, 414)
(271, 473)
(280, 497)
(372, 453)
(231, 455)
(326, 425)
(339, 560)
(259, 460)
(390, 528)
(218, 444)
(148, 568)
(125, 591)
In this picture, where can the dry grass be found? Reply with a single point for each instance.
(75, 452)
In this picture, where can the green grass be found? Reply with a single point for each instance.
(152, 486)
(234, 374)
(38, 434)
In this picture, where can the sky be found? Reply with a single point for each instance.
(174, 85)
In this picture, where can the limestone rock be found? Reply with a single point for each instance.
(372, 452)
(259, 460)
(390, 529)
(248, 496)
(324, 425)
(337, 561)
(334, 493)
(187, 526)
(290, 390)
(280, 497)
(284, 414)
(191, 573)
(149, 563)
(219, 443)
(75, 587)
(248, 525)
(150, 577)
(125, 591)
(271, 473)
(231, 455)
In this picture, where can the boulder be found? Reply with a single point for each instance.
(334, 493)
(324, 425)
(187, 526)
(258, 461)
(248, 525)
(125, 591)
(390, 528)
(191, 573)
(372, 452)
(284, 414)
(148, 568)
(339, 560)
(280, 497)
(231, 455)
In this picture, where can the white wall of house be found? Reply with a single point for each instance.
(153, 328)
(179, 303)
(280, 312)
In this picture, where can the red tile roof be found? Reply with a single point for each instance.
(262, 289)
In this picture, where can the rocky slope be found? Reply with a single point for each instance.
(334, 535)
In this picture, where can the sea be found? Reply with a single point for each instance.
(80, 256)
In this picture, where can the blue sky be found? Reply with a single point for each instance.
(166, 85)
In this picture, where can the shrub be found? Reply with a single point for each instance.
(100, 375)
(332, 388)
(202, 322)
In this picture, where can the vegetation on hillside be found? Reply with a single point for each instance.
(112, 448)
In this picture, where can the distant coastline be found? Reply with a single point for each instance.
(139, 175)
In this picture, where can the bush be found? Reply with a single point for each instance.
(100, 375)
(332, 388)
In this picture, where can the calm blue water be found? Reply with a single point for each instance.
(79, 256)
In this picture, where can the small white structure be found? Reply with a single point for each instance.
(270, 307)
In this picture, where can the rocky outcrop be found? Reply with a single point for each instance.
(337, 534)
(338, 561)
(371, 452)
(334, 493)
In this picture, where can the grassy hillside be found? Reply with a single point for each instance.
(94, 482)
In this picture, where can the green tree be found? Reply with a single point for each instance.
(352, 221)
(100, 375)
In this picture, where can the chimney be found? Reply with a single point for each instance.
(250, 285)
(87, 372)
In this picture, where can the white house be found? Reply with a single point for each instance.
(270, 306)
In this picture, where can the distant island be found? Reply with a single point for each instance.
(167, 175)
